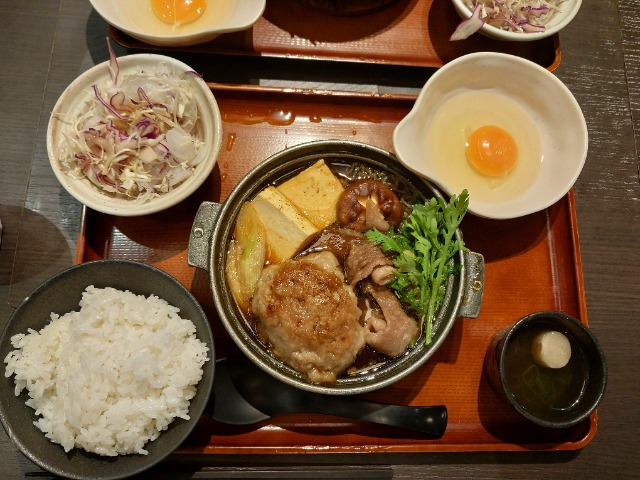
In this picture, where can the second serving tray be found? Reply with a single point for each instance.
(407, 32)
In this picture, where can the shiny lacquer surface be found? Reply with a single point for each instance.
(532, 263)
(407, 32)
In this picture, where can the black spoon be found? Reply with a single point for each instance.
(244, 394)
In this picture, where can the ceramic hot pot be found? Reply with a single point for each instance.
(213, 228)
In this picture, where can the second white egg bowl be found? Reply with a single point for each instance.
(137, 19)
(552, 113)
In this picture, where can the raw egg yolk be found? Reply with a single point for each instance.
(178, 12)
(492, 151)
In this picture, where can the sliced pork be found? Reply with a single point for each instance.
(383, 274)
(389, 330)
(360, 257)
(363, 259)
(334, 239)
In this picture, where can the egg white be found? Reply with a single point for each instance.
(452, 124)
(143, 18)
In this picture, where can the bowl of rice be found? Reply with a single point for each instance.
(108, 368)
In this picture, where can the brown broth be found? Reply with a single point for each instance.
(538, 389)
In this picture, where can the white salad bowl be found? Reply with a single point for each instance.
(73, 102)
(555, 119)
(560, 19)
(136, 19)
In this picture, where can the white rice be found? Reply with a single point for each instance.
(111, 376)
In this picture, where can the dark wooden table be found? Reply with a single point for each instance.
(44, 45)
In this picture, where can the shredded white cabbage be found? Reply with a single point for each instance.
(138, 136)
(525, 16)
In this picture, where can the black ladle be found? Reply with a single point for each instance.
(244, 394)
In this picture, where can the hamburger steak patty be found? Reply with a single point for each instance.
(309, 316)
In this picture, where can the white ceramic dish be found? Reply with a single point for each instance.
(560, 130)
(74, 99)
(136, 18)
(568, 10)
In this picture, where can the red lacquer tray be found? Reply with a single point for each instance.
(532, 263)
(407, 32)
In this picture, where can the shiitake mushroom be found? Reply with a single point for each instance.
(369, 203)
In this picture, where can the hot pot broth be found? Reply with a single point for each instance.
(368, 359)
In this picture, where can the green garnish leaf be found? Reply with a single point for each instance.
(424, 244)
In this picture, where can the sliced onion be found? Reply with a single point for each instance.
(468, 27)
(181, 145)
(113, 111)
(113, 63)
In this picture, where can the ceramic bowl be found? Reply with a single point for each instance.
(561, 18)
(139, 21)
(212, 231)
(61, 294)
(580, 384)
(73, 102)
(544, 112)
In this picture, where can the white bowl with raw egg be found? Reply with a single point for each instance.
(175, 23)
(500, 126)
